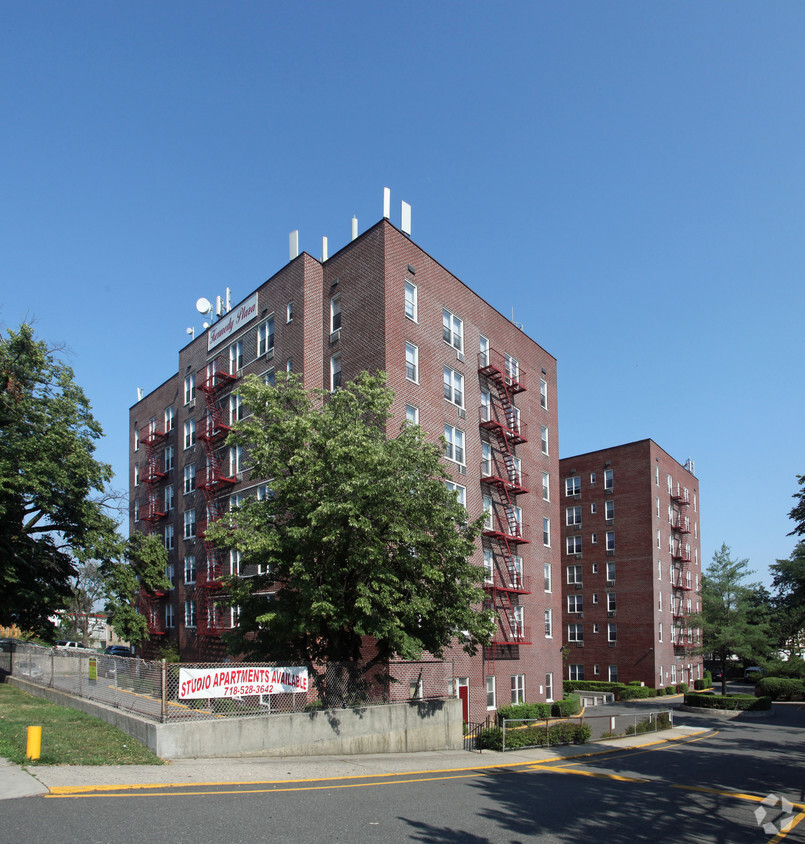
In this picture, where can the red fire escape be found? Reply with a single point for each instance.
(502, 474)
(153, 472)
(680, 526)
(216, 378)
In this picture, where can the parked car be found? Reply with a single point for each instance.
(753, 674)
(64, 644)
(117, 650)
(718, 676)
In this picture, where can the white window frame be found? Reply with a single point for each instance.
(575, 603)
(170, 538)
(170, 620)
(489, 566)
(518, 688)
(189, 433)
(546, 531)
(189, 478)
(170, 457)
(265, 336)
(573, 544)
(609, 480)
(575, 632)
(483, 350)
(572, 486)
(335, 314)
(189, 524)
(454, 445)
(170, 418)
(190, 569)
(170, 498)
(549, 686)
(189, 388)
(573, 516)
(547, 577)
(452, 330)
(335, 373)
(546, 486)
(543, 393)
(412, 414)
(236, 357)
(544, 440)
(460, 492)
(575, 575)
(612, 631)
(411, 362)
(454, 387)
(411, 308)
(190, 614)
(549, 624)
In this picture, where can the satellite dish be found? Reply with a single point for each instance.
(203, 306)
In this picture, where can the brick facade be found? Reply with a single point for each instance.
(631, 557)
(504, 409)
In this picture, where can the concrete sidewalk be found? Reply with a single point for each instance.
(54, 779)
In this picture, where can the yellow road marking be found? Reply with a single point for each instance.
(782, 834)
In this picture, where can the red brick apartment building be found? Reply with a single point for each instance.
(459, 369)
(631, 566)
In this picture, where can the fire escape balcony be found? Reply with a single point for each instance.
(153, 512)
(150, 437)
(515, 482)
(216, 377)
(210, 575)
(513, 534)
(679, 497)
(212, 431)
(513, 429)
(502, 370)
(510, 582)
(511, 635)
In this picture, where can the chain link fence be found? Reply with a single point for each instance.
(177, 692)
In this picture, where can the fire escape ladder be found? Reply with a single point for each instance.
(152, 440)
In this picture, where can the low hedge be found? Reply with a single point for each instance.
(738, 703)
(564, 732)
(780, 688)
(636, 693)
(541, 711)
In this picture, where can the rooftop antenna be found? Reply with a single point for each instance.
(192, 332)
(139, 393)
(204, 307)
(405, 218)
(354, 227)
(293, 245)
(386, 203)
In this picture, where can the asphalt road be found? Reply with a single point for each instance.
(707, 788)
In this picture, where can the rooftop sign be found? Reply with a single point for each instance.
(231, 322)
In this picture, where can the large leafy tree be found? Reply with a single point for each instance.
(798, 513)
(87, 588)
(788, 602)
(360, 538)
(731, 621)
(129, 582)
(52, 489)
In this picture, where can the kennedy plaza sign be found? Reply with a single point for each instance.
(231, 322)
(236, 681)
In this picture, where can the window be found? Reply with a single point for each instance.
(612, 603)
(136, 509)
(411, 304)
(169, 498)
(659, 601)
(612, 632)
(548, 624)
(483, 352)
(516, 571)
(486, 406)
(264, 492)
(610, 540)
(234, 562)
(235, 459)
(235, 501)
(189, 389)
(593, 538)
(613, 673)
(189, 433)
(460, 492)
(136, 475)
(609, 509)
(452, 330)
(573, 516)
(592, 478)
(595, 625)
(454, 386)
(575, 603)
(512, 369)
(265, 337)
(236, 357)
(169, 453)
(190, 569)
(608, 480)
(335, 314)
(595, 597)
(544, 439)
(289, 312)
(549, 686)
(289, 365)
(136, 438)
(335, 373)
(170, 418)
(189, 524)
(169, 619)
(546, 492)
(546, 532)
(575, 633)
(489, 512)
(412, 362)
(543, 393)
(611, 571)
(573, 485)
(189, 613)
(659, 635)
(517, 622)
(574, 575)
(169, 537)
(486, 459)
(575, 671)
(189, 478)
(518, 688)
(235, 408)
(489, 566)
(547, 577)
(270, 378)
(454, 446)
(411, 414)
(490, 692)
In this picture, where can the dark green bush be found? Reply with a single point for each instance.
(591, 686)
(738, 703)
(781, 688)
(682, 687)
(661, 691)
(794, 667)
(635, 693)
(490, 738)
(707, 679)
(670, 690)
(524, 711)
(698, 685)
(567, 707)
(564, 732)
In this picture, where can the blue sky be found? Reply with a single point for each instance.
(626, 178)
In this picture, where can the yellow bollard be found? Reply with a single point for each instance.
(34, 743)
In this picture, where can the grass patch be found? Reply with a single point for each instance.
(69, 737)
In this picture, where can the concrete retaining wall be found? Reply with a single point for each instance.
(394, 728)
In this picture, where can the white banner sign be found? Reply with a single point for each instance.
(236, 681)
(231, 322)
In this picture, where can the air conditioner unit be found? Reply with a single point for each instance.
(460, 356)
(611, 614)
(191, 404)
(610, 583)
(462, 470)
(462, 414)
(335, 335)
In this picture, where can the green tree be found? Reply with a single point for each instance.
(53, 498)
(361, 538)
(798, 513)
(788, 581)
(87, 588)
(140, 573)
(731, 620)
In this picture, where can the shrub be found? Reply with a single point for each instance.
(661, 691)
(669, 690)
(490, 738)
(737, 703)
(707, 679)
(635, 692)
(682, 687)
(564, 708)
(781, 688)
(794, 667)
(564, 732)
(698, 685)
(525, 711)
(660, 721)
